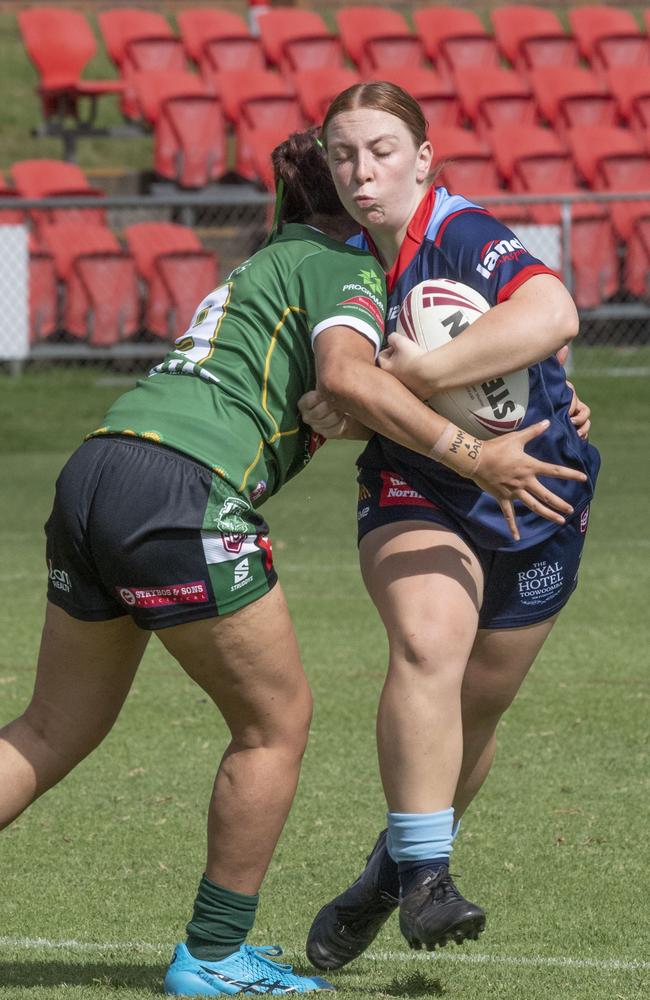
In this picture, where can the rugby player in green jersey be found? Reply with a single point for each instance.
(155, 529)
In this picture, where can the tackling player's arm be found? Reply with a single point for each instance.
(321, 416)
(352, 383)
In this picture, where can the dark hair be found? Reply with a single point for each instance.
(309, 190)
(380, 96)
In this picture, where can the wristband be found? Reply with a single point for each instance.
(458, 450)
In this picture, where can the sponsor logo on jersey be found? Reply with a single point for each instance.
(365, 303)
(59, 578)
(584, 521)
(540, 582)
(352, 287)
(372, 280)
(195, 592)
(242, 574)
(396, 492)
(363, 512)
(496, 252)
(393, 313)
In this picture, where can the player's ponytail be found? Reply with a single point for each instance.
(303, 181)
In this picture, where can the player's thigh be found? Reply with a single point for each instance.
(248, 662)
(498, 665)
(427, 584)
(84, 673)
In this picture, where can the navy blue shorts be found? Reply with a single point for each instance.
(521, 587)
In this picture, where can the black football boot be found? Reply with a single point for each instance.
(345, 927)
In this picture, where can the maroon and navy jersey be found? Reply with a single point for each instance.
(450, 237)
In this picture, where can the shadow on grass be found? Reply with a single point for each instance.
(114, 975)
(416, 984)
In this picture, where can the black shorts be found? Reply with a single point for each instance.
(140, 529)
(521, 587)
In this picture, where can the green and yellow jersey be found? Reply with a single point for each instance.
(227, 393)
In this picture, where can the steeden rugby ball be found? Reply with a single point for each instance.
(432, 314)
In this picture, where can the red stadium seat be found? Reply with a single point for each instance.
(614, 159)
(455, 39)
(435, 96)
(42, 291)
(467, 160)
(153, 88)
(609, 37)
(55, 178)
(219, 40)
(632, 224)
(492, 97)
(630, 85)
(533, 36)
(123, 24)
(190, 140)
(375, 37)
(316, 89)
(38, 178)
(567, 97)
(177, 270)
(138, 41)
(295, 39)
(263, 108)
(531, 158)
(101, 302)
(469, 169)
(536, 161)
(189, 127)
(610, 159)
(60, 43)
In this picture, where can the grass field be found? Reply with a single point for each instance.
(99, 876)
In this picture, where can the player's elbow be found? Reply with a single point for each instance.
(567, 321)
(339, 383)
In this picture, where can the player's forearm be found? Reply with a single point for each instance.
(354, 430)
(528, 328)
(379, 402)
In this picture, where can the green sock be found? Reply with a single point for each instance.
(220, 922)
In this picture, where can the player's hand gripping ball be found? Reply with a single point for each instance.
(432, 314)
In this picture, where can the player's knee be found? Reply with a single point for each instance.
(429, 653)
(284, 727)
(485, 703)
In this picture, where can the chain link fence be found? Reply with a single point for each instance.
(114, 280)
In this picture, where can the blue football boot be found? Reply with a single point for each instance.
(248, 970)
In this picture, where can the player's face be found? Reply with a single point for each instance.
(379, 172)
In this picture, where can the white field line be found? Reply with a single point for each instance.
(470, 958)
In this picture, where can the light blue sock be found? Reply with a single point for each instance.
(421, 844)
(419, 836)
